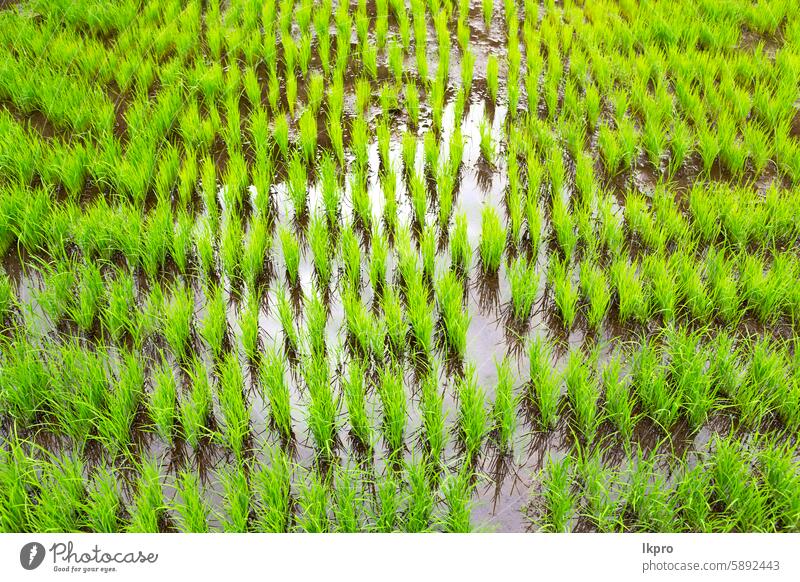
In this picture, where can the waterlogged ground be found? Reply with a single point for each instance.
(642, 376)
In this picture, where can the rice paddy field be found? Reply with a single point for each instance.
(399, 265)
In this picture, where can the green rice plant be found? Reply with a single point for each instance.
(114, 424)
(493, 240)
(196, 406)
(90, 294)
(323, 406)
(248, 324)
(597, 484)
(764, 381)
(659, 400)
(313, 502)
(681, 145)
(565, 294)
(688, 373)
(307, 138)
(350, 253)
(412, 103)
(273, 383)
(545, 388)
(421, 499)
(393, 320)
(379, 253)
(394, 403)
(346, 500)
(233, 405)
(162, 401)
(450, 296)
(272, 492)
(472, 416)
(147, 510)
(419, 198)
(230, 246)
(214, 324)
(192, 510)
(692, 289)
(524, 283)
(236, 498)
(433, 415)
(629, 287)
(177, 321)
(204, 242)
(286, 318)
(319, 241)
(103, 502)
(256, 249)
(610, 149)
(646, 495)
(419, 314)
(692, 496)
(734, 487)
(558, 496)
(297, 184)
(316, 320)
(661, 285)
(583, 394)
(504, 410)
(487, 143)
(457, 491)
(619, 402)
(779, 470)
(708, 146)
(60, 496)
(280, 133)
(722, 283)
(290, 248)
(564, 227)
(492, 77)
(460, 249)
(594, 288)
(356, 400)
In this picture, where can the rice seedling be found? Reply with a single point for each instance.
(493, 240)
(421, 500)
(433, 415)
(237, 498)
(103, 502)
(619, 402)
(566, 295)
(594, 288)
(323, 405)
(290, 248)
(148, 508)
(248, 324)
(393, 401)
(450, 297)
(631, 298)
(487, 143)
(195, 407)
(558, 495)
(524, 283)
(583, 394)
(214, 324)
(460, 250)
(233, 405)
(192, 511)
(659, 400)
(162, 401)
(545, 387)
(271, 492)
(504, 410)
